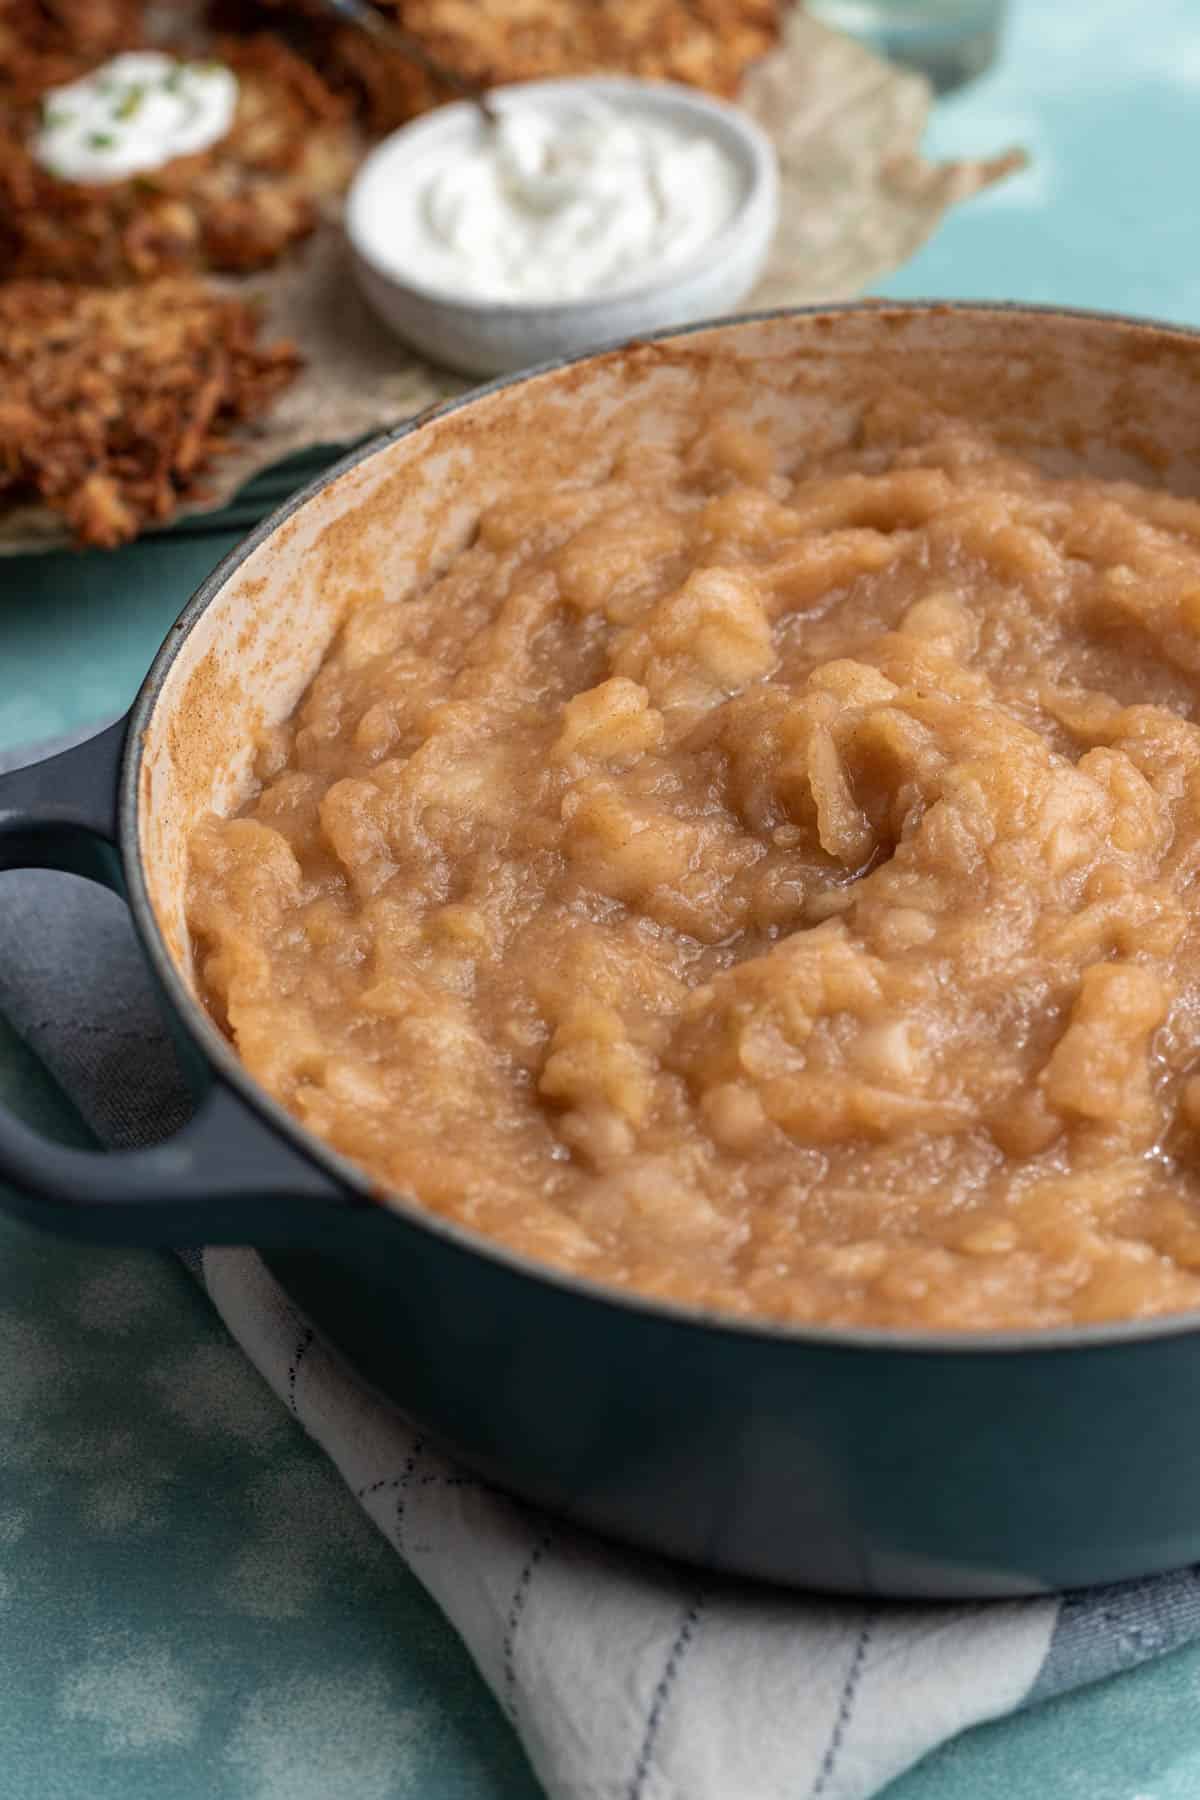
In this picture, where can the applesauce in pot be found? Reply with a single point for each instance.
(769, 887)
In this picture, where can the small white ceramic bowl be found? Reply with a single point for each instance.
(491, 337)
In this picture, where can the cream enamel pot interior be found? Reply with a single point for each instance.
(859, 1461)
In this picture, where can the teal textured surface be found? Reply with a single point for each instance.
(190, 1604)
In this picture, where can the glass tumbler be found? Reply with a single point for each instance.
(950, 41)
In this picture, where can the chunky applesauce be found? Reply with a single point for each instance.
(766, 887)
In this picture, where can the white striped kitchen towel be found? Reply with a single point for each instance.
(627, 1678)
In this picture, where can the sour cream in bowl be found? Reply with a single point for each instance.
(596, 208)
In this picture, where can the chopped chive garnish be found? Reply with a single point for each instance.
(101, 140)
(174, 81)
(132, 101)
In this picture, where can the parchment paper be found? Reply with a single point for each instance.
(857, 199)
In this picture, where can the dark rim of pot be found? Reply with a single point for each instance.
(221, 1054)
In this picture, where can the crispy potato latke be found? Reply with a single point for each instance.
(236, 206)
(704, 43)
(44, 43)
(113, 402)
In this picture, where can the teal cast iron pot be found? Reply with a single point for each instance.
(854, 1461)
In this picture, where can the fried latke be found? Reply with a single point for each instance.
(235, 206)
(705, 43)
(114, 401)
(44, 43)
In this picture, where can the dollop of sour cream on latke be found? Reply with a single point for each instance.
(132, 115)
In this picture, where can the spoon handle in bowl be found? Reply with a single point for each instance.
(393, 36)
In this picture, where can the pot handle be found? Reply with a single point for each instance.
(227, 1176)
